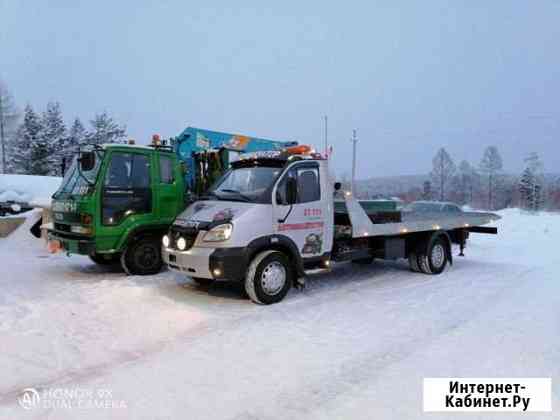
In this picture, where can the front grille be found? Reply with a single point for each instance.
(175, 234)
(62, 227)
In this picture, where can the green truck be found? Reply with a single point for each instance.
(117, 200)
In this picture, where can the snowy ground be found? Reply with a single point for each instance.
(354, 345)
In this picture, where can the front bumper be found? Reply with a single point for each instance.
(208, 263)
(73, 244)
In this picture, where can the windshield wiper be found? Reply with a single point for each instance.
(239, 193)
(208, 195)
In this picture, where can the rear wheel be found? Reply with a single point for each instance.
(269, 278)
(142, 257)
(438, 256)
(435, 258)
(413, 261)
(105, 259)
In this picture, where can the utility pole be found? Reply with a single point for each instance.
(2, 134)
(326, 138)
(354, 140)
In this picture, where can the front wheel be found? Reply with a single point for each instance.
(142, 257)
(269, 278)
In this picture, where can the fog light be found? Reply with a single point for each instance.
(217, 272)
(165, 241)
(181, 244)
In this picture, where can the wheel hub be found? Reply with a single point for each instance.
(273, 278)
(438, 255)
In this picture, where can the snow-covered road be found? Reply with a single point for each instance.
(356, 343)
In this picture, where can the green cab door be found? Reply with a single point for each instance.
(169, 188)
(127, 197)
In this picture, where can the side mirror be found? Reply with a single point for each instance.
(291, 191)
(337, 186)
(87, 161)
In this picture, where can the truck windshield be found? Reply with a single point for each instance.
(245, 184)
(76, 184)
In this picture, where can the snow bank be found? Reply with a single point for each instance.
(32, 189)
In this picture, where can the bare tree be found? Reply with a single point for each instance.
(8, 120)
(442, 172)
(491, 166)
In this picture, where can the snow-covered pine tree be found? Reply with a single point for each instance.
(531, 184)
(491, 166)
(76, 135)
(8, 124)
(526, 188)
(21, 148)
(75, 138)
(54, 137)
(442, 172)
(105, 130)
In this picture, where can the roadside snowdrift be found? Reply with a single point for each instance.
(36, 190)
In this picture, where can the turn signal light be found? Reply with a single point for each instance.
(86, 219)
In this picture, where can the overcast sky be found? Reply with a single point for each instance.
(410, 76)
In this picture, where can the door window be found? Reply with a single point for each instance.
(308, 186)
(166, 170)
(127, 188)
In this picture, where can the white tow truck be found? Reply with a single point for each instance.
(271, 217)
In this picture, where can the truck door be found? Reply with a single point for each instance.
(304, 221)
(126, 195)
(169, 198)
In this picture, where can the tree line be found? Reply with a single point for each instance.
(487, 186)
(40, 143)
(483, 185)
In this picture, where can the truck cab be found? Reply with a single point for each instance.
(115, 202)
(271, 215)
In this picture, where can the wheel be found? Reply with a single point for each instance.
(435, 260)
(269, 278)
(142, 257)
(413, 262)
(437, 256)
(202, 282)
(105, 259)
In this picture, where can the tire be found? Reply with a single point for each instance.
(423, 263)
(436, 258)
(413, 262)
(269, 277)
(142, 257)
(105, 259)
(202, 282)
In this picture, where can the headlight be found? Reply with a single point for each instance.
(219, 233)
(165, 241)
(181, 244)
(80, 229)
